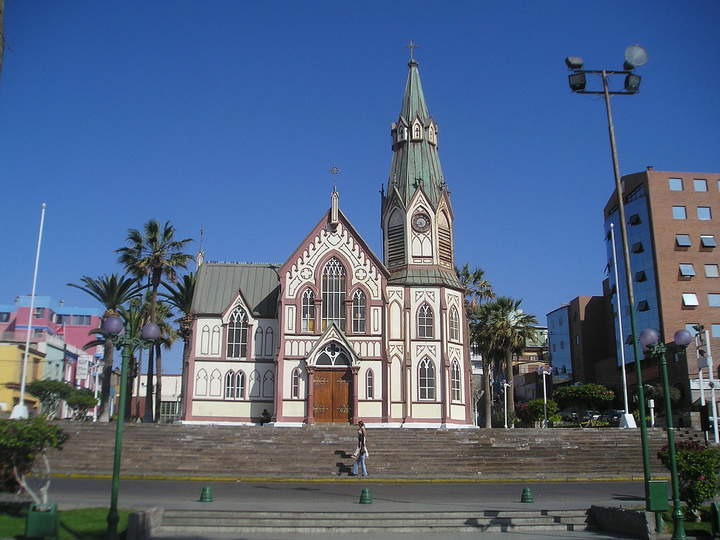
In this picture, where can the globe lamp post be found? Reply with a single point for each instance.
(113, 326)
(650, 340)
(635, 56)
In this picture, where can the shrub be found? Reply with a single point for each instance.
(532, 412)
(581, 397)
(81, 401)
(50, 393)
(21, 443)
(697, 472)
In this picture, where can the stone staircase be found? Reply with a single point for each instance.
(230, 452)
(188, 523)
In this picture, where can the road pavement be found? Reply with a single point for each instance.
(343, 496)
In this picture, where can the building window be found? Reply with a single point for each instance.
(577, 342)
(708, 240)
(676, 184)
(358, 312)
(4, 316)
(455, 381)
(255, 384)
(444, 239)
(683, 240)
(713, 300)
(333, 291)
(308, 311)
(295, 391)
(687, 270)
(640, 276)
(201, 383)
(637, 247)
(711, 270)
(269, 338)
(234, 385)
(562, 345)
(268, 384)
(454, 324)
(237, 334)
(215, 340)
(38, 313)
(258, 342)
(635, 219)
(716, 330)
(643, 305)
(700, 184)
(369, 384)
(689, 299)
(396, 239)
(205, 340)
(704, 213)
(81, 320)
(425, 321)
(679, 212)
(426, 377)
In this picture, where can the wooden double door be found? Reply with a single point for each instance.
(332, 395)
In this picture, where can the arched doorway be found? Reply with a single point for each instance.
(332, 384)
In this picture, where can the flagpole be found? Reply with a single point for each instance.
(628, 420)
(20, 410)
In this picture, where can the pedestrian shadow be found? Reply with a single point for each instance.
(343, 468)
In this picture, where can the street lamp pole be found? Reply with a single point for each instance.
(635, 56)
(113, 325)
(505, 388)
(655, 347)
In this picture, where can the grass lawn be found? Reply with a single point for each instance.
(80, 524)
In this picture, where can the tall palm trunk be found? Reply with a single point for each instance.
(155, 282)
(509, 377)
(158, 385)
(104, 411)
(486, 389)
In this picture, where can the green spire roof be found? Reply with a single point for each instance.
(415, 160)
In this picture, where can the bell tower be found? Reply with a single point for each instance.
(416, 214)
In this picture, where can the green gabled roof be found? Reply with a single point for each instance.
(416, 164)
(425, 276)
(218, 284)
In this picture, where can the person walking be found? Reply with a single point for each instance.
(361, 452)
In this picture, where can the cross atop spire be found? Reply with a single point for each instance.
(334, 171)
(412, 46)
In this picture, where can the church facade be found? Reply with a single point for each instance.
(336, 334)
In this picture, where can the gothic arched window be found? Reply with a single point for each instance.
(456, 381)
(426, 379)
(295, 390)
(444, 240)
(369, 384)
(269, 342)
(358, 312)
(237, 334)
(308, 311)
(235, 385)
(229, 385)
(201, 383)
(205, 340)
(258, 342)
(333, 294)
(215, 340)
(454, 324)
(425, 321)
(268, 384)
(255, 383)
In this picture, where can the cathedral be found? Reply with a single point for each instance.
(337, 334)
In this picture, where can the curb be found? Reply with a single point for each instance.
(295, 480)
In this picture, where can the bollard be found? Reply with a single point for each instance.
(206, 494)
(527, 496)
(365, 496)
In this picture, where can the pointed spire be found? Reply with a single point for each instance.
(415, 162)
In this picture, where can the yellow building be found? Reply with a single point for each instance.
(11, 359)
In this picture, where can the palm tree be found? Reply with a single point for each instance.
(154, 253)
(180, 298)
(504, 330)
(135, 316)
(112, 292)
(476, 290)
(167, 338)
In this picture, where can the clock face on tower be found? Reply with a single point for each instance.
(421, 222)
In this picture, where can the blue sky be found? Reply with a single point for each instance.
(228, 115)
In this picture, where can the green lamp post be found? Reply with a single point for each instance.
(650, 340)
(113, 326)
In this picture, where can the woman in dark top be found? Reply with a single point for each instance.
(361, 451)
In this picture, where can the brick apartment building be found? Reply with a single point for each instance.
(673, 223)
